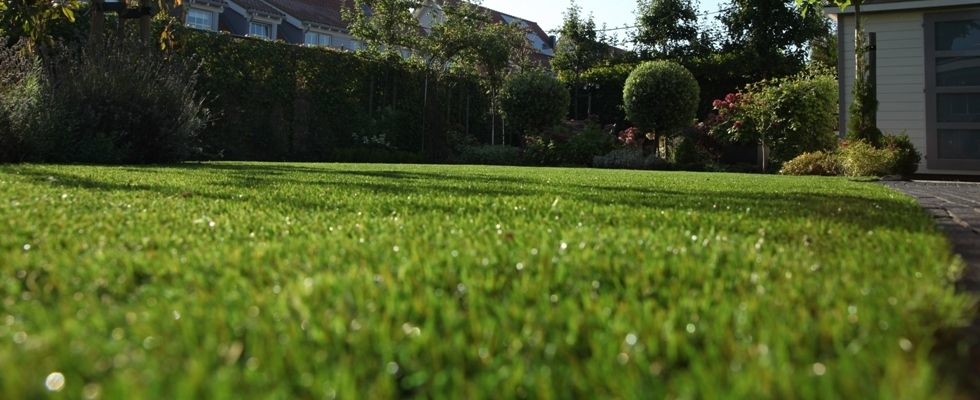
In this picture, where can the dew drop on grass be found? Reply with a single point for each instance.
(819, 369)
(554, 298)
(622, 358)
(519, 266)
(564, 246)
(691, 328)
(395, 249)
(27, 247)
(631, 339)
(905, 344)
(461, 288)
(55, 381)
(176, 315)
(595, 284)
(454, 253)
(392, 368)
(92, 391)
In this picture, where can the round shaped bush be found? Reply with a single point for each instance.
(533, 101)
(661, 97)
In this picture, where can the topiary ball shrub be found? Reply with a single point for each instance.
(661, 97)
(815, 163)
(533, 101)
(904, 157)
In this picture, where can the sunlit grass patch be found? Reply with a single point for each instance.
(237, 280)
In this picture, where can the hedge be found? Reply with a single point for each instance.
(274, 101)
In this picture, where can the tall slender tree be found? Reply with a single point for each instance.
(770, 36)
(862, 118)
(667, 28)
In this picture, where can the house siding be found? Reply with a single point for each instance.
(900, 75)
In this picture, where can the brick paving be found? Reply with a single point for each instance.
(955, 206)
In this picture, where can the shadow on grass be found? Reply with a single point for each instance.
(226, 181)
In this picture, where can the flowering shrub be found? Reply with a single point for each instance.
(789, 115)
(631, 137)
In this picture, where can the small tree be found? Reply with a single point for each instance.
(533, 101)
(862, 122)
(661, 97)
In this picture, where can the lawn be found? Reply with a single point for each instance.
(241, 280)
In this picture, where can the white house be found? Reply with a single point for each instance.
(927, 56)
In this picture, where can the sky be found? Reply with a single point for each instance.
(613, 13)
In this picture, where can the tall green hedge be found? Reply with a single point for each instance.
(274, 101)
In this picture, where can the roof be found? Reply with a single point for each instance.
(258, 6)
(541, 41)
(873, 6)
(317, 12)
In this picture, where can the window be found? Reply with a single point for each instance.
(200, 19)
(260, 30)
(953, 90)
(317, 39)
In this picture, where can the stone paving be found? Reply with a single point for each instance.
(955, 206)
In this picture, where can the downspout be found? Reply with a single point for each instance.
(841, 80)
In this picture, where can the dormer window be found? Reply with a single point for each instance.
(260, 30)
(200, 19)
(314, 38)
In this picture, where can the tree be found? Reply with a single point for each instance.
(533, 101)
(770, 36)
(385, 25)
(667, 28)
(579, 47)
(863, 110)
(661, 97)
(34, 19)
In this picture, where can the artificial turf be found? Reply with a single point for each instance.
(252, 280)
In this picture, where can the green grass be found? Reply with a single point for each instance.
(227, 281)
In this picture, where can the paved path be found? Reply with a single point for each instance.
(956, 208)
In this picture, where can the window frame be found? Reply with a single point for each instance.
(213, 26)
(933, 91)
(320, 35)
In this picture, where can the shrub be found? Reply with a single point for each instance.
(533, 101)
(20, 100)
(860, 158)
(607, 91)
(661, 97)
(569, 143)
(629, 157)
(119, 103)
(815, 163)
(490, 155)
(696, 149)
(789, 115)
(904, 157)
